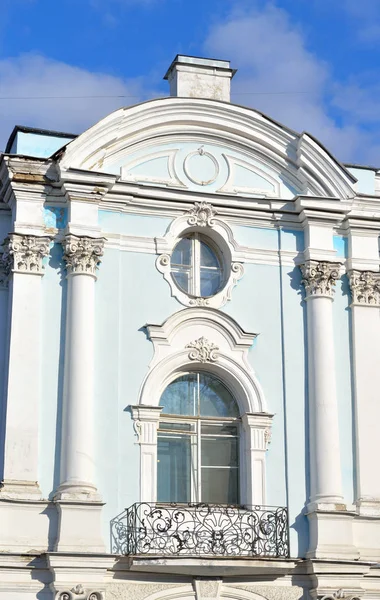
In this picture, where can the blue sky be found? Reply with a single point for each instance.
(312, 64)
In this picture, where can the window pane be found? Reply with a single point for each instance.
(219, 451)
(220, 486)
(177, 426)
(182, 279)
(219, 429)
(182, 253)
(208, 257)
(173, 468)
(215, 399)
(210, 281)
(181, 396)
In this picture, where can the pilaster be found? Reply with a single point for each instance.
(22, 261)
(365, 308)
(257, 436)
(146, 420)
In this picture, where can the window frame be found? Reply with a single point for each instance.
(219, 237)
(195, 267)
(196, 449)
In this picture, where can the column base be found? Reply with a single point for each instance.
(12, 489)
(80, 526)
(80, 491)
(331, 534)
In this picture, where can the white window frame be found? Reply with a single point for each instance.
(219, 236)
(196, 474)
(196, 267)
(227, 359)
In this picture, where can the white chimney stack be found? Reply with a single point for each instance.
(193, 77)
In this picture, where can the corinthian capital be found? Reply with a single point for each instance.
(365, 287)
(82, 254)
(24, 253)
(319, 278)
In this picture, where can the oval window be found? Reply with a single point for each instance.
(196, 267)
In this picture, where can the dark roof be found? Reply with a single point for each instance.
(25, 129)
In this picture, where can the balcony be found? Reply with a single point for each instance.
(201, 530)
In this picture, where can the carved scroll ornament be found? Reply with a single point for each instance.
(319, 278)
(202, 214)
(202, 350)
(24, 253)
(365, 287)
(78, 592)
(82, 254)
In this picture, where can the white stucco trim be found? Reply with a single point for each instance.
(201, 219)
(202, 339)
(298, 157)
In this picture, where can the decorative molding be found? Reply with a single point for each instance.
(24, 253)
(319, 277)
(202, 350)
(82, 254)
(187, 169)
(143, 591)
(207, 589)
(220, 235)
(365, 287)
(177, 346)
(78, 592)
(274, 592)
(202, 215)
(339, 595)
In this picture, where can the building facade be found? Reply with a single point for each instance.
(190, 347)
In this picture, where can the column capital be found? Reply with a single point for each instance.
(24, 253)
(365, 287)
(319, 277)
(82, 254)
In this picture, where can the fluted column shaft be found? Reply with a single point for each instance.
(325, 469)
(82, 255)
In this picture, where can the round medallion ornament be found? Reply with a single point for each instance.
(201, 167)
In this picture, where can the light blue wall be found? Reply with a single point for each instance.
(54, 286)
(35, 144)
(366, 179)
(342, 316)
(130, 292)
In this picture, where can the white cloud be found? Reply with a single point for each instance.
(33, 75)
(271, 55)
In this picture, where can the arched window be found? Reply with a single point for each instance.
(198, 442)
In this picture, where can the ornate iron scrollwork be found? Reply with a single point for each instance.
(201, 530)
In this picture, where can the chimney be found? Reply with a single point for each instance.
(193, 77)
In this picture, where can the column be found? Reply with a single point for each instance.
(77, 499)
(365, 307)
(319, 279)
(82, 256)
(22, 260)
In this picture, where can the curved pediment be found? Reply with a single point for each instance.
(210, 147)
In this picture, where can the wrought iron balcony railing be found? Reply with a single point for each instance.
(201, 530)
